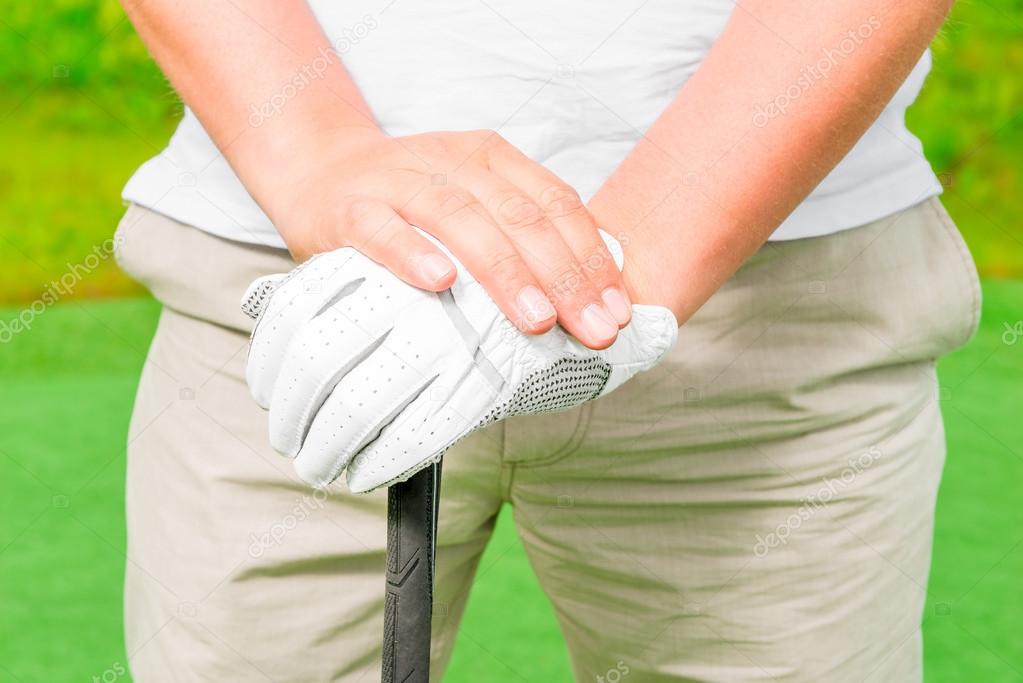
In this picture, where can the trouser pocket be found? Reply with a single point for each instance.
(190, 270)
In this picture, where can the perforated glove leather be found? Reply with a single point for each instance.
(360, 370)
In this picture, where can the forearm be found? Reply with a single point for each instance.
(261, 76)
(711, 181)
(328, 177)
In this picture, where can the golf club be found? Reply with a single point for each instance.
(412, 507)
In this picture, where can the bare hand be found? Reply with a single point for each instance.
(522, 232)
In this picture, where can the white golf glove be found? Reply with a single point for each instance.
(360, 370)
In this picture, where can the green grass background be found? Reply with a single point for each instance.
(81, 106)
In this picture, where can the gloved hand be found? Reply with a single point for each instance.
(360, 370)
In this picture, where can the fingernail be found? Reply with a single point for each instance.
(598, 323)
(534, 306)
(617, 304)
(434, 268)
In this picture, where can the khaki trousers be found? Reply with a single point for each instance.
(759, 507)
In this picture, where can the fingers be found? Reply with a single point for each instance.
(429, 424)
(376, 230)
(334, 342)
(602, 271)
(463, 225)
(524, 234)
(295, 301)
(542, 248)
(336, 435)
(376, 392)
(566, 211)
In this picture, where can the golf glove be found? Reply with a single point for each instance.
(360, 370)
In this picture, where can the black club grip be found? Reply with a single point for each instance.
(408, 606)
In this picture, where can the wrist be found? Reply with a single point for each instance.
(302, 163)
(301, 156)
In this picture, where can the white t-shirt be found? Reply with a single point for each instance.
(573, 84)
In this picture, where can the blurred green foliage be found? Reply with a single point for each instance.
(77, 43)
(970, 118)
(82, 105)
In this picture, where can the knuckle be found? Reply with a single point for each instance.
(487, 135)
(519, 213)
(357, 213)
(490, 140)
(507, 268)
(430, 146)
(562, 201)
